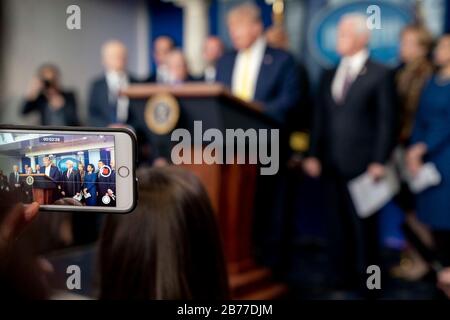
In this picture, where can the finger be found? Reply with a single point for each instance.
(31, 211)
(11, 221)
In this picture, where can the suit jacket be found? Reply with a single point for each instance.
(68, 112)
(277, 84)
(105, 183)
(348, 137)
(55, 174)
(100, 109)
(101, 115)
(71, 184)
(12, 180)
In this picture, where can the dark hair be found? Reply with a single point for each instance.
(90, 165)
(169, 247)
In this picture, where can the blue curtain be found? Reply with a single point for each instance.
(165, 19)
(447, 16)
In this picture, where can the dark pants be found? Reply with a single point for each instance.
(352, 242)
(442, 246)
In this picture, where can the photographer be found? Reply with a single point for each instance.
(56, 106)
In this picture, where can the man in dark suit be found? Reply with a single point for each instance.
(353, 133)
(14, 179)
(15, 185)
(162, 46)
(213, 50)
(256, 71)
(52, 172)
(71, 181)
(56, 106)
(259, 73)
(106, 106)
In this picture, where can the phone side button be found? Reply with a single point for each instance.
(124, 172)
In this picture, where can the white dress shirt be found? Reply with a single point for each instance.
(255, 59)
(162, 74)
(348, 67)
(118, 81)
(47, 170)
(210, 74)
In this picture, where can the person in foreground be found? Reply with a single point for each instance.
(169, 248)
(21, 275)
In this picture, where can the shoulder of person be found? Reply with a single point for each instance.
(228, 56)
(280, 55)
(327, 74)
(100, 80)
(68, 94)
(379, 68)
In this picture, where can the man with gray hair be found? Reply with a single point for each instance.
(255, 71)
(106, 106)
(71, 181)
(353, 133)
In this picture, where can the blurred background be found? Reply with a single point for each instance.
(35, 32)
(291, 238)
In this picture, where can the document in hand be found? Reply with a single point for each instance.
(427, 177)
(369, 195)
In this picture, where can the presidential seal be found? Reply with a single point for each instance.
(162, 113)
(30, 180)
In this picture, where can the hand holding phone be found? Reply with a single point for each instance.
(72, 162)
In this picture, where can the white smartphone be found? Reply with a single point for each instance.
(68, 168)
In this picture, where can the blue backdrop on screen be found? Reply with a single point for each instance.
(384, 41)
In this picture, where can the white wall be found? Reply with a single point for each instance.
(35, 32)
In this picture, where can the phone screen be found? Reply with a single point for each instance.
(59, 168)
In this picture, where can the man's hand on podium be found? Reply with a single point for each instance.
(376, 171)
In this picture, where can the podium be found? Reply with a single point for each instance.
(43, 187)
(231, 187)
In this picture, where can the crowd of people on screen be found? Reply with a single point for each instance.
(89, 185)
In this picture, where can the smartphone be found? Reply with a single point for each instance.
(69, 169)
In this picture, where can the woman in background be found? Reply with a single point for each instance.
(415, 46)
(90, 185)
(430, 143)
(81, 171)
(168, 248)
(416, 68)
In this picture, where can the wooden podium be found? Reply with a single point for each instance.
(43, 187)
(231, 187)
